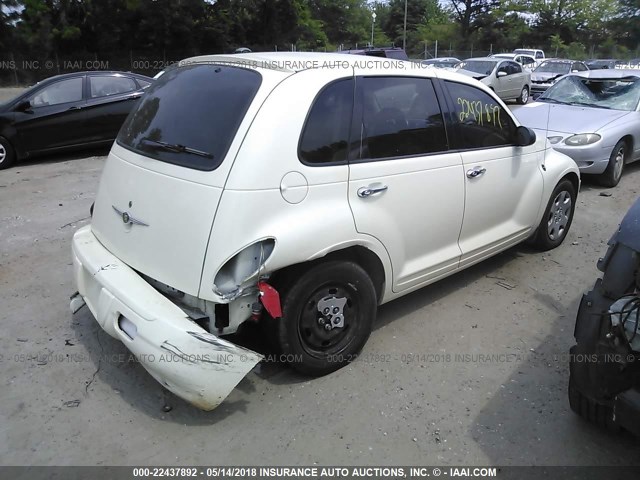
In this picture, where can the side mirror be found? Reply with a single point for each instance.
(574, 71)
(501, 73)
(525, 136)
(23, 106)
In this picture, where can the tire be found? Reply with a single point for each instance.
(524, 96)
(596, 413)
(557, 218)
(7, 154)
(612, 175)
(313, 348)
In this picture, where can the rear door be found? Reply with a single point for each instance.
(503, 182)
(516, 79)
(165, 175)
(109, 101)
(56, 117)
(405, 187)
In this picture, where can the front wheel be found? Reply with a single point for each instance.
(557, 217)
(524, 96)
(7, 153)
(327, 316)
(612, 175)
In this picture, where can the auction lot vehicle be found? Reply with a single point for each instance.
(83, 109)
(505, 77)
(537, 54)
(602, 64)
(527, 61)
(594, 118)
(550, 71)
(604, 383)
(441, 62)
(301, 191)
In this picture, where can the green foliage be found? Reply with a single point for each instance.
(179, 28)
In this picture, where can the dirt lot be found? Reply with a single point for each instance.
(71, 397)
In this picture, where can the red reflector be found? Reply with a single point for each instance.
(270, 298)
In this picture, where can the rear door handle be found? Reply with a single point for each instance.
(364, 192)
(476, 172)
(75, 107)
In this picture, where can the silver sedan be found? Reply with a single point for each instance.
(593, 117)
(505, 77)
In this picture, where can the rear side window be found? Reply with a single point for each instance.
(190, 115)
(400, 117)
(481, 122)
(104, 86)
(325, 137)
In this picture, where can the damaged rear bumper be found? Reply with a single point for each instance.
(189, 361)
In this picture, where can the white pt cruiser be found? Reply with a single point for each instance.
(301, 191)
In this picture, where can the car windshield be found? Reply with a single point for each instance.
(553, 67)
(189, 116)
(485, 67)
(614, 93)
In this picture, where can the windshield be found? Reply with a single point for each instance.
(189, 116)
(485, 67)
(554, 67)
(613, 93)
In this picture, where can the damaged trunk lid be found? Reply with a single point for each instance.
(166, 172)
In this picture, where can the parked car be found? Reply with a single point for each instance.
(599, 64)
(604, 366)
(527, 61)
(537, 54)
(217, 208)
(505, 77)
(83, 109)
(441, 62)
(385, 52)
(593, 117)
(550, 71)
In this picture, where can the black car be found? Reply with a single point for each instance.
(604, 364)
(82, 109)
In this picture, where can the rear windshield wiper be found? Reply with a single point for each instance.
(176, 147)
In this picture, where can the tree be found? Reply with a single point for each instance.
(471, 15)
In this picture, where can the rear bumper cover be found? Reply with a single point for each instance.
(189, 361)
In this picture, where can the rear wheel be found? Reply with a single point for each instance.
(612, 175)
(327, 316)
(524, 96)
(7, 153)
(557, 217)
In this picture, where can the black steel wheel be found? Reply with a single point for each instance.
(327, 316)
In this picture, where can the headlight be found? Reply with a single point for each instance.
(554, 140)
(582, 139)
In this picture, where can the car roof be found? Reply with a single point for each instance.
(485, 59)
(559, 60)
(290, 61)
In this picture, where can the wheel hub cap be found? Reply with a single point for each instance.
(559, 215)
(617, 171)
(3, 153)
(331, 312)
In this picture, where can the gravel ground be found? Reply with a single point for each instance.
(67, 399)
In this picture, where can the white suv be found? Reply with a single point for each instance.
(301, 191)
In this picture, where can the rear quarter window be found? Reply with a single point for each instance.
(190, 115)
